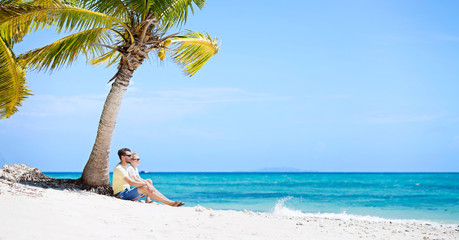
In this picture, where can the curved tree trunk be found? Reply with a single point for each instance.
(96, 172)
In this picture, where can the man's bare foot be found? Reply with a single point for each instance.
(177, 204)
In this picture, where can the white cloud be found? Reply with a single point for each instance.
(331, 97)
(321, 146)
(416, 37)
(445, 37)
(139, 105)
(384, 117)
(213, 95)
(389, 37)
(61, 106)
(174, 104)
(456, 141)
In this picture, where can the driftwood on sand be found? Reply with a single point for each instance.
(21, 173)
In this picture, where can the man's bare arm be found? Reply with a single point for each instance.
(134, 182)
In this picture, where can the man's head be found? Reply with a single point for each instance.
(125, 154)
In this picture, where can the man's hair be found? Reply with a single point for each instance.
(123, 151)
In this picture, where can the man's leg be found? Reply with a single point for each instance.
(155, 196)
(148, 200)
(156, 190)
(130, 194)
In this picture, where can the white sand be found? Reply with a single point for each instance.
(35, 213)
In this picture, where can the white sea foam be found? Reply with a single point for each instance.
(280, 209)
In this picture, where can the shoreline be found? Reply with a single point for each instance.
(255, 172)
(299, 203)
(369, 218)
(38, 213)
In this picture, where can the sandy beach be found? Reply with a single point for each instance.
(30, 212)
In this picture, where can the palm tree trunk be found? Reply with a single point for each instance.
(96, 172)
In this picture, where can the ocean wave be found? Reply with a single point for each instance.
(280, 209)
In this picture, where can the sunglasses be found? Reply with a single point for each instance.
(127, 155)
(136, 159)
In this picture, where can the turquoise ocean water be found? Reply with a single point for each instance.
(430, 197)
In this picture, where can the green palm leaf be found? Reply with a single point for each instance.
(25, 18)
(114, 8)
(12, 82)
(67, 49)
(139, 7)
(8, 10)
(109, 57)
(193, 50)
(174, 12)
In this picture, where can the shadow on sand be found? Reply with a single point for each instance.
(24, 174)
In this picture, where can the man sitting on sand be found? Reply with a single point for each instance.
(122, 183)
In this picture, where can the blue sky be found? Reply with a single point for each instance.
(310, 85)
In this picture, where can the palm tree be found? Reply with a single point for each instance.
(122, 32)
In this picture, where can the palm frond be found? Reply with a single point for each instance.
(114, 8)
(174, 12)
(109, 57)
(12, 82)
(66, 50)
(193, 50)
(26, 18)
(8, 10)
(139, 7)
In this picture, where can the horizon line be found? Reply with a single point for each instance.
(363, 172)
